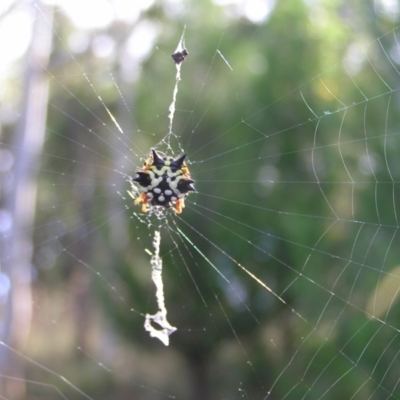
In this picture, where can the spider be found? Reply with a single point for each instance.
(164, 181)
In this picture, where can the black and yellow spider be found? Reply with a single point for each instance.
(164, 181)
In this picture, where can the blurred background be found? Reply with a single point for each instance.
(282, 273)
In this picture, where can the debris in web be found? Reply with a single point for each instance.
(179, 56)
(164, 328)
(157, 324)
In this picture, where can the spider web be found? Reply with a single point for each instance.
(281, 275)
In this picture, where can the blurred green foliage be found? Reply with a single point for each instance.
(275, 147)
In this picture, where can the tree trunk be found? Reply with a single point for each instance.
(199, 382)
(20, 203)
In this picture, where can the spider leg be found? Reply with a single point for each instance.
(143, 198)
(179, 205)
